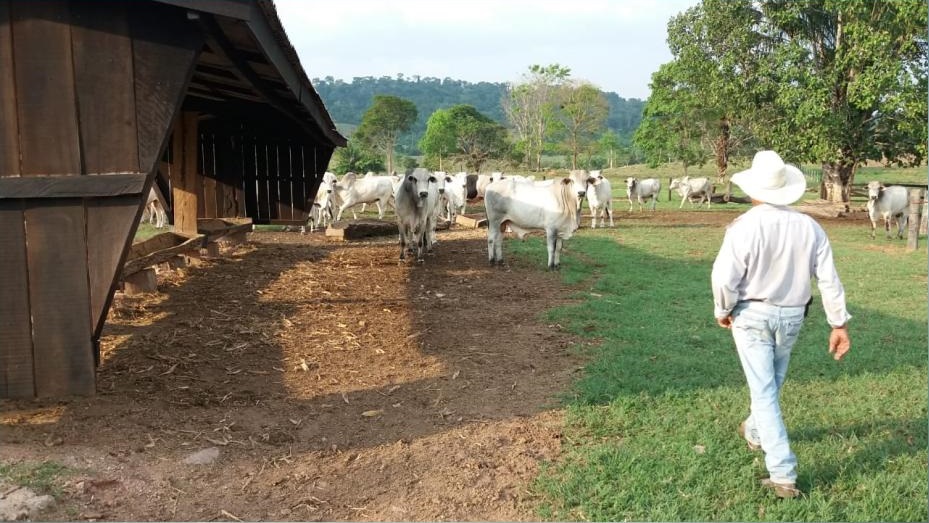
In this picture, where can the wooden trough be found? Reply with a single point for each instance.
(360, 229)
(159, 249)
(471, 220)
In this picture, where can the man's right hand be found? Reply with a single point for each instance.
(839, 342)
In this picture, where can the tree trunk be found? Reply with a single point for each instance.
(837, 180)
(611, 157)
(722, 149)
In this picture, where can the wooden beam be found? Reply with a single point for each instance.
(221, 45)
(47, 110)
(65, 186)
(16, 359)
(9, 121)
(186, 183)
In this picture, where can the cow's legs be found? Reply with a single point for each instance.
(609, 212)
(901, 224)
(551, 237)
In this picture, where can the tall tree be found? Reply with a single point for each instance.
(582, 113)
(531, 105)
(837, 82)
(852, 78)
(383, 123)
(668, 132)
(464, 133)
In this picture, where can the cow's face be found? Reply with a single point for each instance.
(874, 190)
(421, 183)
(579, 181)
(630, 183)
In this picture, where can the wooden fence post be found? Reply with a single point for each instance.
(916, 206)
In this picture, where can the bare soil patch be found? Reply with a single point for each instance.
(335, 382)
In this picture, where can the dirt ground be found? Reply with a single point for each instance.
(318, 380)
(335, 382)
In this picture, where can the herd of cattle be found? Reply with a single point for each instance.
(513, 202)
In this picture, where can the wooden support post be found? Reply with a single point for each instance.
(916, 206)
(924, 222)
(186, 183)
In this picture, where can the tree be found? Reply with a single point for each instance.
(354, 158)
(609, 145)
(383, 123)
(852, 77)
(463, 132)
(439, 140)
(668, 132)
(837, 82)
(582, 114)
(530, 107)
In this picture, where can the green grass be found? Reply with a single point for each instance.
(651, 425)
(42, 478)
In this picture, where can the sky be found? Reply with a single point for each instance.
(614, 44)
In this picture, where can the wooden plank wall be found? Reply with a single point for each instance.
(277, 182)
(87, 89)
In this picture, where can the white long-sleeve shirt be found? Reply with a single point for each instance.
(770, 254)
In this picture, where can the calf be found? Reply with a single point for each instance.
(690, 188)
(642, 190)
(526, 206)
(416, 199)
(599, 198)
(888, 203)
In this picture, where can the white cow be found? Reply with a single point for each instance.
(352, 190)
(888, 203)
(416, 199)
(321, 210)
(642, 190)
(154, 211)
(690, 188)
(599, 198)
(526, 206)
(455, 199)
(481, 181)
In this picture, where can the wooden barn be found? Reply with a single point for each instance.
(100, 99)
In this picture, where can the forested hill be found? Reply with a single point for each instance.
(347, 101)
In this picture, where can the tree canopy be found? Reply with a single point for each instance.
(461, 132)
(383, 123)
(837, 82)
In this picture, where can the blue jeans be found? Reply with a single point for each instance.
(764, 335)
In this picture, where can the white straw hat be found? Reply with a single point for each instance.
(770, 180)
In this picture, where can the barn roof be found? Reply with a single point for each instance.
(248, 59)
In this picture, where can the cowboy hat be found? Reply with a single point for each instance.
(770, 180)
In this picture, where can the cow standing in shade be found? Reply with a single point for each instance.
(416, 198)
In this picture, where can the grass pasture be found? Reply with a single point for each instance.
(651, 433)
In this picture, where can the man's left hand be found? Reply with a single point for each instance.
(725, 323)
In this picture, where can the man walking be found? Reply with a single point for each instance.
(761, 291)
